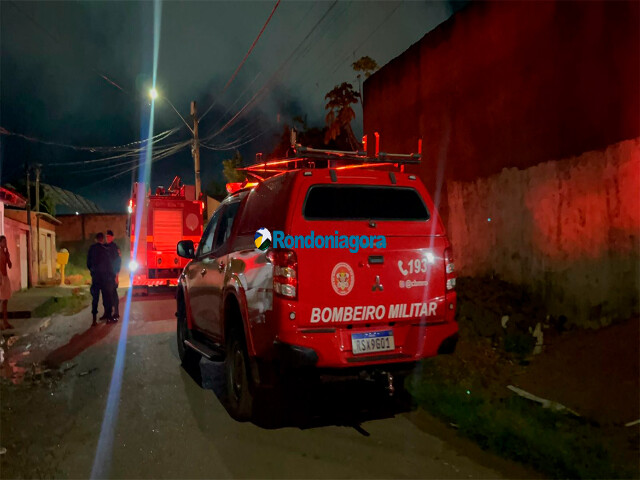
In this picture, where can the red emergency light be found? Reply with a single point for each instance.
(235, 186)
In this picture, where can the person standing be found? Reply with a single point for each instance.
(5, 284)
(116, 261)
(99, 264)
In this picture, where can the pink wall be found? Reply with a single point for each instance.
(12, 232)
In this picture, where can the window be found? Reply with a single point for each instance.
(363, 202)
(226, 224)
(206, 243)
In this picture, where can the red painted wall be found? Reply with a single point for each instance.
(530, 119)
(511, 84)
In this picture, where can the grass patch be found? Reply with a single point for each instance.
(77, 275)
(554, 444)
(65, 305)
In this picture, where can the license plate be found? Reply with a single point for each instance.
(369, 342)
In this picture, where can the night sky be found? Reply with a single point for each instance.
(55, 56)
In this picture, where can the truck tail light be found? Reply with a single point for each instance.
(285, 272)
(449, 268)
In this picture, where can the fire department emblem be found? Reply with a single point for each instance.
(192, 221)
(342, 278)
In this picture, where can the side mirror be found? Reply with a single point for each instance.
(186, 249)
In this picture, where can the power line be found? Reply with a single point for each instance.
(123, 148)
(385, 20)
(125, 162)
(154, 158)
(234, 145)
(244, 59)
(274, 76)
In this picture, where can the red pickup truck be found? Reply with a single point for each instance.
(345, 269)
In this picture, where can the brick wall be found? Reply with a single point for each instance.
(84, 227)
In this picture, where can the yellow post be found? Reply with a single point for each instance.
(62, 258)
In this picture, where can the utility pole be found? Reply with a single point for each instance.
(29, 244)
(38, 219)
(195, 149)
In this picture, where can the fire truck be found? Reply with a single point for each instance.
(166, 217)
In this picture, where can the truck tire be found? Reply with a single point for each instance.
(238, 377)
(188, 357)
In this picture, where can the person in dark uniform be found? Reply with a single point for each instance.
(116, 261)
(99, 264)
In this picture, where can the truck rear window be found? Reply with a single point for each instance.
(363, 202)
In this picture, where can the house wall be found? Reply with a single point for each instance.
(13, 231)
(47, 252)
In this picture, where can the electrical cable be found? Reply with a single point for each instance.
(124, 147)
(385, 20)
(269, 84)
(235, 73)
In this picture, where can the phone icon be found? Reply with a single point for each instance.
(402, 270)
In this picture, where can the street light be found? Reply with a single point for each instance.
(153, 94)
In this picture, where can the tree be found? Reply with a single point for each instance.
(366, 65)
(341, 114)
(230, 166)
(215, 188)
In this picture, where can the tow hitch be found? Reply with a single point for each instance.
(383, 378)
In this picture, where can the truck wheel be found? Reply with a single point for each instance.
(188, 357)
(239, 388)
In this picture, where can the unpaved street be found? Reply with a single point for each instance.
(169, 423)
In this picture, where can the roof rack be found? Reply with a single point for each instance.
(309, 158)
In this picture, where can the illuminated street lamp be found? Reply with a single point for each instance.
(153, 94)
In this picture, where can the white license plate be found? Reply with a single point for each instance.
(369, 342)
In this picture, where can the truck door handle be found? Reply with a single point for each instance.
(220, 266)
(203, 272)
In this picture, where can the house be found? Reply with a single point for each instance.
(42, 254)
(17, 235)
